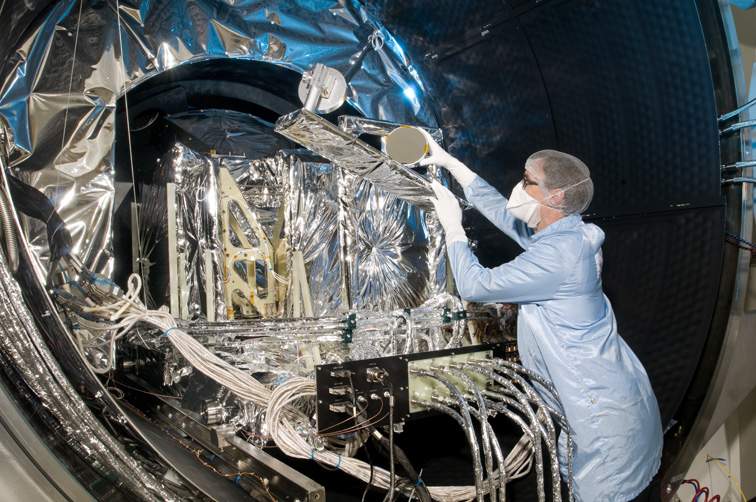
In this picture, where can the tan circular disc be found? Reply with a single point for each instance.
(406, 145)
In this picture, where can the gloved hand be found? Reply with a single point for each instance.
(449, 213)
(440, 157)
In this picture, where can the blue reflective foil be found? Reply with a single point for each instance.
(59, 95)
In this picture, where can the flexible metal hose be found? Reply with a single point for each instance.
(484, 429)
(563, 420)
(9, 232)
(470, 431)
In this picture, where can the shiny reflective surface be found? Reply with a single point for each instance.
(499, 99)
(60, 98)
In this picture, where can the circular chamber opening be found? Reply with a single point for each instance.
(356, 262)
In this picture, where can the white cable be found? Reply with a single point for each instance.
(288, 426)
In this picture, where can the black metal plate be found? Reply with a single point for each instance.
(328, 376)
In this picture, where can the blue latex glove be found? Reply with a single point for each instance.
(449, 213)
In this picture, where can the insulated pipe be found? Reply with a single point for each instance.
(532, 418)
(551, 442)
(458, 417)
(565, 425)
(737, 110)
(484, 425)
(460, 401)
(9, 232)
(525, 428)
(496, 447)
(737, 126)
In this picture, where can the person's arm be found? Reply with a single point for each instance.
(491, 204)
(483, 196)
(535, 275)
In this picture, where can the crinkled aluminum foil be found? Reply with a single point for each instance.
(59, 99)
(313, 226)
(355, 156)
(197, 228)
(361, 247)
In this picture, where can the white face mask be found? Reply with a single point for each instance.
(524, 207)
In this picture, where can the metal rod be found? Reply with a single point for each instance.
(739, 179)
(738, 110)
(737, 126)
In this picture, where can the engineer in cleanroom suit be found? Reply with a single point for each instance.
(566, 330)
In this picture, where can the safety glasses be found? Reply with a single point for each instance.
(526, 182)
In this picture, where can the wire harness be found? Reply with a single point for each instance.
(103, 323)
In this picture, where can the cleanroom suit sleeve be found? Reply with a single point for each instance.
(491, 204)
(535, 275)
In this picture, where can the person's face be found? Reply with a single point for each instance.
(530, 182)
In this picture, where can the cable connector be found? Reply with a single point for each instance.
(68, 300)
(449, 315)
(351, 324)
(76, 288)
(101, 287)
(376, 374)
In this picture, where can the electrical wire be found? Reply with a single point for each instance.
(124, 76)
(197, 453)
(740, 246)
(693, 482)
(709, 457)
(370, 480)
(353, 417)
(700, 492)
(740, 239)
(288, 426)
(392, 472)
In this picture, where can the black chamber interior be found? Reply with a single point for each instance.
(628, 88)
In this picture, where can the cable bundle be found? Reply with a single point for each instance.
(703, 490)
(291, 429)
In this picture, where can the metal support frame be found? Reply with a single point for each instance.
(170, 189)
(178, 284)
(244, 292)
